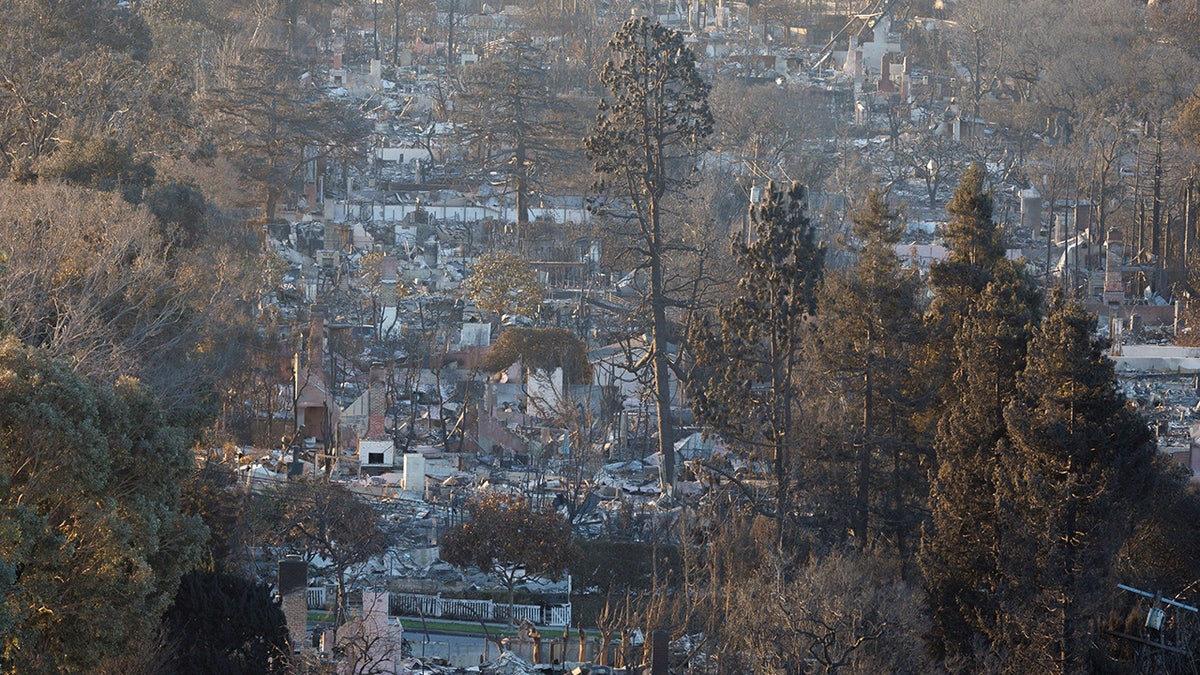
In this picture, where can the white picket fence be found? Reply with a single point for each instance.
(316, 597)
(560, 615)
(435, 606)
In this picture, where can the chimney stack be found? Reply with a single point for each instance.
(331, 237)
(388, 271)
(1114, 290)
(660, 652)
(316, 340)
(377, 402)
(293, 593)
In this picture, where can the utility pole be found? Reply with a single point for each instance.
(1155, 620)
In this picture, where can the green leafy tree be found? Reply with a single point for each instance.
(93, 542)
(971, 235)
(617, 567)
(503, 282)
(222, 623)
(214, 495)
(745, 379)
(504, 536)
(650, 129)
(1074, 471)
(77, 71)
(1163, 550)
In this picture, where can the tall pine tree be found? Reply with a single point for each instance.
(745, 379)
(649, 132)
(1071, 478)
(958, 545)
(983, 312)
(975, 249)
(869, 324)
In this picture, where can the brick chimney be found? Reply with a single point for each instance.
(293, 593)
(377, 402)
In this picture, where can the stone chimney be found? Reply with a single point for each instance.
(1114, 290)
(332, 237)
(377, 402)
(1083, 220)
(1031, 210)
(293, 592)
(387, 274)
(316, 340)
(660, 652)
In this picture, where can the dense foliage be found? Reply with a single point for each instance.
(505, 536)
(93, 542)
(221, 623)
(541, 349)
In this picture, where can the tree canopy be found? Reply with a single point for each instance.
(868, 328)
(1073, 473)
(503, 535)
(222, 623)
(652, 125)
(92, 279)
(317, 517)
(509, 121)
(503, 282)
(541, 349)
(93, 542)
(743, 380)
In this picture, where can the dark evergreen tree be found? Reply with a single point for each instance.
(869, 324)
(1071, 478)
(181, 210)
(102, 163)
(980, 321)
(745, 382)
(975, 249)
(958, 546)
(648, 135)
(970, 233)
(221, 623)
